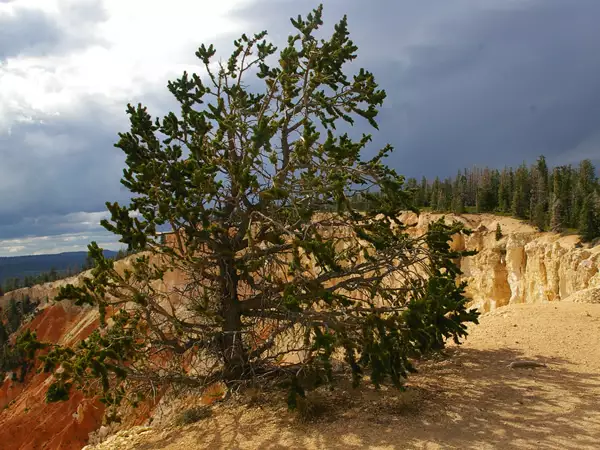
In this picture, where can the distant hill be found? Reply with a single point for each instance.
(32, 265)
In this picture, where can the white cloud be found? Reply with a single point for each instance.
(67, 70)
(43, 227)
(132, 47)
(43, 245)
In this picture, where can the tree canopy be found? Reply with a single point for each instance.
(282, 274)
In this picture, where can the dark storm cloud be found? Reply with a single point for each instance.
(53, 225)
(36, 32)
(26, 31)
(473, 82)
(486, 82)
(64, 165)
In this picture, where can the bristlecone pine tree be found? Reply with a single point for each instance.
(282, 275)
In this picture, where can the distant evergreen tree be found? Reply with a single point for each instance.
(539, 197)
(13, 316)
(595, 204)
(587, 177)
(3, 335)
(588, 223)
(504, 191)
(14, 355)
(568, 195)
(435, 194)
(458, 194)
(441, 204)
(581, 187)
(16, 284)
(520, 200)
(424, 193)
(445, 196)
(498, 231)
(557, 219)
(486, 195)
(413, 187)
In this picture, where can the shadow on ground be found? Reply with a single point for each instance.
(488, 405)
(470, 401)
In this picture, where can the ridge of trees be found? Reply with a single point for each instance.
(14, 283)
(564, 198)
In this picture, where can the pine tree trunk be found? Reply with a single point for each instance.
(234, 355)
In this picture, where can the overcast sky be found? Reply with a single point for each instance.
(469, 82)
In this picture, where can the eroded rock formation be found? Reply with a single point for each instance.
(523, 266)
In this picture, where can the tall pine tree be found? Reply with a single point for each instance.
(520, 200)
(557, 220)
(539, 197)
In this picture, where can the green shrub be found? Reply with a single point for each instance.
(193, 415)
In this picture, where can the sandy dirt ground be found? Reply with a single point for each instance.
(471, 400)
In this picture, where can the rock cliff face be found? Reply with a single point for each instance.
(524, 266)
(27, 422)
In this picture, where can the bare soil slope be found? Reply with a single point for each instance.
(470, 401)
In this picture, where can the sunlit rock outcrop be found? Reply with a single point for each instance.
(524, 266)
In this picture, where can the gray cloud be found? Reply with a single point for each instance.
(54, 225)
(63, 165)
(509, 86)
(55, 234)
(469, 82)
(72, 242)
(27, 31)
(34, 32)
(472, 82)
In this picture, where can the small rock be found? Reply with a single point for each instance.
(525, 364)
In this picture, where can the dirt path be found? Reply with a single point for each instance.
(471, 401)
